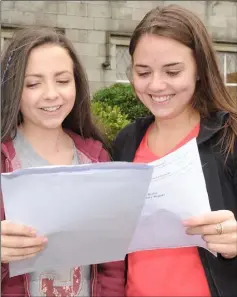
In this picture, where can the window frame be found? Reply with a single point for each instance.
(114, 39)
(6, 33)
(226, 48)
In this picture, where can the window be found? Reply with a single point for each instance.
(117, 56)
(122, 62)
(228, 67)
(227, 58)
(6, 35)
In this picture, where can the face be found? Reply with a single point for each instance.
(49, 87)
(164, 75)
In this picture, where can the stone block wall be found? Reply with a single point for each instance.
(87, 24)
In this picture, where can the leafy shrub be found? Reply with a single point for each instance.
(108, 118)
(122, 96)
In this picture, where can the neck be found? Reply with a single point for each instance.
(182, 122)
(48, 140)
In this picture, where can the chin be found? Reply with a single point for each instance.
(164, 115)
(52, 126)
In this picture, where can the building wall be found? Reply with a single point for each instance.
(100, 30)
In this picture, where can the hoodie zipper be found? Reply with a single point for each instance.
(209, 273)
(26, 285)
(94, 279)
(8, 165)
(214, 281)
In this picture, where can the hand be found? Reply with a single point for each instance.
(19, 242)
(218, 229)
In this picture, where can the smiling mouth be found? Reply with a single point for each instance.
(51, 108)
(162, 99)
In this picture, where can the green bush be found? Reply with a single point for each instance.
(122, 96)
(108, 118)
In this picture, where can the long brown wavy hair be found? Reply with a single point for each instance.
(13, 66)
(210, 94)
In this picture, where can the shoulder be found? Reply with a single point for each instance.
(124, 133)
(91, 148)
(134, 129)
(129, 138)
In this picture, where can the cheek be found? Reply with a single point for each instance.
(184, 85)
(70, 94)
(28, 100)
(139, 85)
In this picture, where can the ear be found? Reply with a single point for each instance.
(198, 78)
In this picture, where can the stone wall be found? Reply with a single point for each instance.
(87, 24)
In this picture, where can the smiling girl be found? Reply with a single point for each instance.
(46, 120)
(175, 75)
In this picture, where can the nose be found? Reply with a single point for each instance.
(157, 83)
(50, 92)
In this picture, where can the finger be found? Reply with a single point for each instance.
(21, 241)
(17, 258)
(10, 228)
(229, 256)
(222, 239)
(227, 227)
(229, 249)
(212, 217)
(15, 252)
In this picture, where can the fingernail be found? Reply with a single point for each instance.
(44, 239)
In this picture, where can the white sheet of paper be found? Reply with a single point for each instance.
(88, 212)
(177, 191)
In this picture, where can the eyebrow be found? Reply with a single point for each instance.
(40, 75)
(166, 65)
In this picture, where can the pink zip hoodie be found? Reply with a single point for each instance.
(106, 279)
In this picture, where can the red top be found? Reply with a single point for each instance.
(165, 272)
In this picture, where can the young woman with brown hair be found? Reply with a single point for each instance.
(46, 120)
(174, 73)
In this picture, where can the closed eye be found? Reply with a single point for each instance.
(143, 74)
(63, 81)
(32, 86)
(173, 73)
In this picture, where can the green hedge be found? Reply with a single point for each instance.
(122, 95)
(109, 119)
(115, 107)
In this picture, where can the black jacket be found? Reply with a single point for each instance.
(221, 182)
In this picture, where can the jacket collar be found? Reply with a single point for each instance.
(90, 148)
(211, 126)
(208, 126)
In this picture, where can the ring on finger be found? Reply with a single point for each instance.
(219, 229)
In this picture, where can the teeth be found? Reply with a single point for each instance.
(161, 99)
(52, 108)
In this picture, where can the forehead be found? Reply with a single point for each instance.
(49, 57)
(153, 48)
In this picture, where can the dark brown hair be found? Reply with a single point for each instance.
(13, 66)
(211, 94)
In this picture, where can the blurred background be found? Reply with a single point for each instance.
(101, 30)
